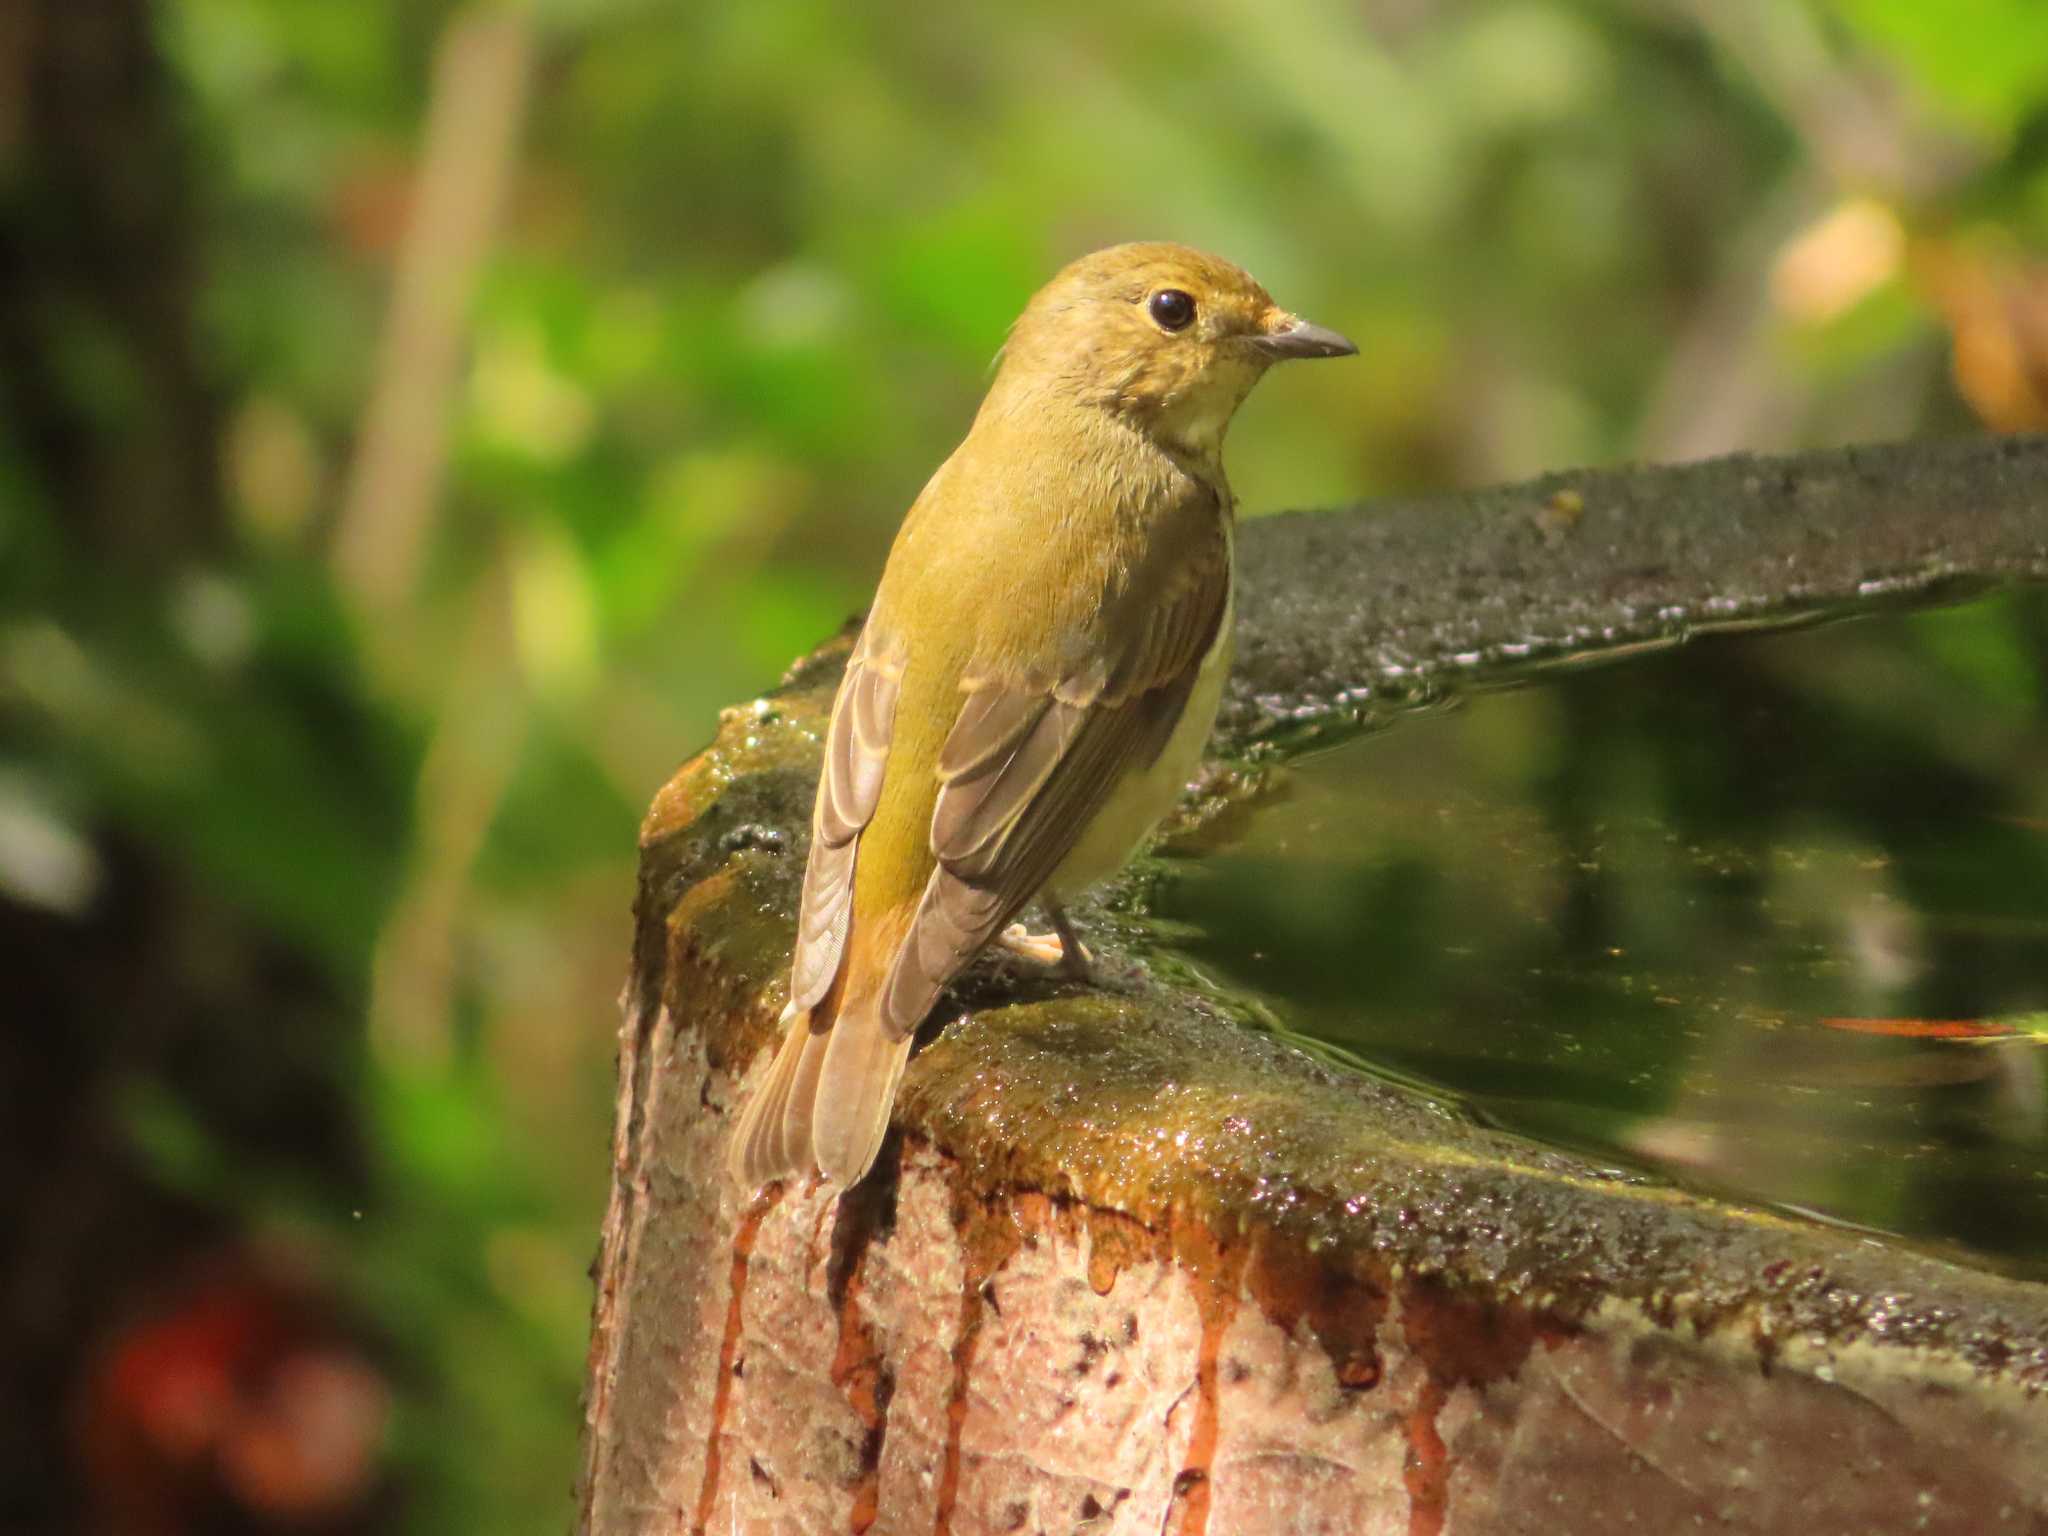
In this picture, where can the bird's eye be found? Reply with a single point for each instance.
(1171, 309)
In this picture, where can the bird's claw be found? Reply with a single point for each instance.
(1039, 948)
(1069, 956)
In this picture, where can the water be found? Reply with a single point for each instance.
(1768, 913)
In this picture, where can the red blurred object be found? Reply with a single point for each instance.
(1927, 1029)
(237, 1403)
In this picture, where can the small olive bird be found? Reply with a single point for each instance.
(1035, 682)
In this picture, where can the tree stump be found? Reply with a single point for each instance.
(1127, 1265)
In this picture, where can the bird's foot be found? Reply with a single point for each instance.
(1039, 948)
(1061, 950)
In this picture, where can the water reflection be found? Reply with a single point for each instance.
(1769, 912)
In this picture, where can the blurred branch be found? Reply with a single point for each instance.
(1722, 389)
(481, 76)
(461, 786)
(1853, 119)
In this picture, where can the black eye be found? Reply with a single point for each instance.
(1171, 309)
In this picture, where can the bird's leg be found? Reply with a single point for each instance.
(1074, 956)
(1061, 949)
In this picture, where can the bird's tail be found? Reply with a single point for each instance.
(773, 1138)
(825, 1102)
(856, 1089)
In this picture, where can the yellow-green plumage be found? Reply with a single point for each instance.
(1035, 680)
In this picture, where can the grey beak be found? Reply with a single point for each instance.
(1297, 338)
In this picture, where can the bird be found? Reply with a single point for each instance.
(1034, 684)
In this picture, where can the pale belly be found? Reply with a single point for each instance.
(1142, 799)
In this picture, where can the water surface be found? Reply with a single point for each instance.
(1767, 912)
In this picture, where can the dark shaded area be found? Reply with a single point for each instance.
(160, 1036)
(101, 388)
(163, 1043)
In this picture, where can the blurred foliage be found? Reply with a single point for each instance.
(753, 267)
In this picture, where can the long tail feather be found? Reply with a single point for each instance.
(772, 1138)
(856, 1088)
(826, 1100)
(797, 1112)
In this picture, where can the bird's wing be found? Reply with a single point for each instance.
(856, 750)
(1030, 760)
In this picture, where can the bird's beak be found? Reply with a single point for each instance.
(1289, 336)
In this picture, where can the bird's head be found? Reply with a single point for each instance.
(1168, 336)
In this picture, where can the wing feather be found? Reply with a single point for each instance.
(856, 753)
(1028, 762)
